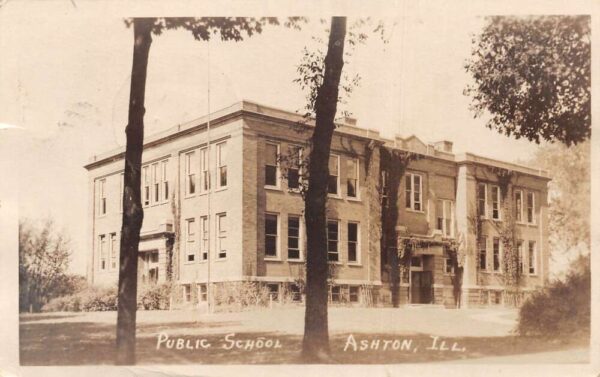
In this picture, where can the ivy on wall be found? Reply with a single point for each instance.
(393, 166)
(508, 232)
(174, 249)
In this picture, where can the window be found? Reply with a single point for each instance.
(273, 291)
(190, 245)
(205, 184)
(482, 199)
(222, 235)
(190, 173)
(155, 183)
(187, 293)
(272, 165)
(496, 250)
(222, 164)
(482, 246)
(448, 265)
(121, 191)
(164, 181)
(353, 293)
(102, 195)
(336, 293)
(530, 207)
(532, 258)
(495, 202)
(295, 293)
(146, 180)
(114, 251)
(102, 245)
(202, 293)
(414, 194)
(294, 167)
(271, 235)
(155, 186)
(204, 233)
(353, 247)
(294, 237)
(416, 262)
(444, 210)
(332, 241)
(152, 267)
(519, 205)
(352, 178)
(334, 169)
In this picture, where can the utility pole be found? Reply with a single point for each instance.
(209, 295)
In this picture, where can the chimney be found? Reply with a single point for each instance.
(444, 146)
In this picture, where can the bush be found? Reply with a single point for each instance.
(99, 300)
(71, 303)
(87, 300)
(563, 308)
(241, 294)
(154, 297)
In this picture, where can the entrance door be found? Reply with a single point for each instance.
(149, 267)
(421, 285)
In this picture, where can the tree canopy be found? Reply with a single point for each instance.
(569, 198)
(532, 75)
(43, 263)
(227, 28)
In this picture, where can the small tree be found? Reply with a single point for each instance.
(532, 75)
(569, 196)
(43, 262)
(563, 308)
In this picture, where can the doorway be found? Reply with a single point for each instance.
(421, 287)
(421, 280)
(149, 267)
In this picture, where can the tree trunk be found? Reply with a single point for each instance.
(133, 213)
(457, 283)
(315, 345)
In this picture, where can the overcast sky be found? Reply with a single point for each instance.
(65, 71)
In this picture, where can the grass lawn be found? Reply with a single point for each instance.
(358, 336)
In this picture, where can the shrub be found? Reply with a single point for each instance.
(70, 303)
(99, 300)
(240, 295)
(87, 300)
(563, 308)
(154, 297)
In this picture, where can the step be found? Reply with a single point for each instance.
(425, 306)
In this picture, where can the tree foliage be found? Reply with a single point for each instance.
(227, 28)
(312, 65)
(569, 196)
(532, 75)
(563, 309)
(43, 262)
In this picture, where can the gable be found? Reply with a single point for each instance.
(414, 144)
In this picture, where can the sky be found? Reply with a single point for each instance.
(65, 71)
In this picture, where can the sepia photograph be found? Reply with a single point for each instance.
(403, 184)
